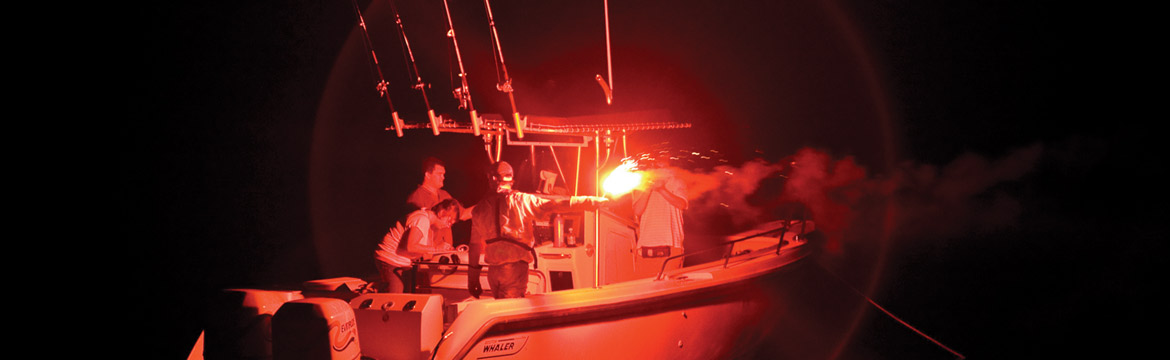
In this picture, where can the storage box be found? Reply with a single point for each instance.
(399, 326)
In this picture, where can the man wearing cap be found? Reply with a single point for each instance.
(502, 230)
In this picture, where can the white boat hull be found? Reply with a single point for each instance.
(710, 310)
(697, 312)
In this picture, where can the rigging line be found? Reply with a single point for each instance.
(366, 39)
(609, 146)
(382, 84)
(497, 51)
(506, 86)
(891, 315)
(451, 34)
(487, 147)
(451, 73)
(608, 153)
(577, 175)
(558, 162)
(497, 56)
(450, 67)
(422, 87)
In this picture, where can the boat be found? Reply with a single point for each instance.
(691, 312)
(694, 312)
(589, 286)
(588, 283)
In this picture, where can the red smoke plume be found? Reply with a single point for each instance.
(915, 201)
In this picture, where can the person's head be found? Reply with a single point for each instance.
(447, 211)
(433, 172)
(502, 174)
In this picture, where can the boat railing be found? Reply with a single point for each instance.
(729, 246)
(453, 264)
(447, 266)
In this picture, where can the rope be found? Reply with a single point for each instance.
(497, 52)
(896, 318)
(558, 162)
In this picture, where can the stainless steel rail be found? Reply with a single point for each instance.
(730, 245)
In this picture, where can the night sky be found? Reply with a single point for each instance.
(1027, 202)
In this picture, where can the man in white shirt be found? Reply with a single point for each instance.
(420, 230)
(659, 210)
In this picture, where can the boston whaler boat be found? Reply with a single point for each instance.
(591, 293)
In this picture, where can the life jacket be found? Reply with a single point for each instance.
(505, 249)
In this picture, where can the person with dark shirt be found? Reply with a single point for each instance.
(502, 230)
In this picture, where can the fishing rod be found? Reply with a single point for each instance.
(506, 84)
(382, 84)
(463, 93)
(418, 77)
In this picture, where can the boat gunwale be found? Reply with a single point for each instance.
(612, 306)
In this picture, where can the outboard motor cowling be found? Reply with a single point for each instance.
(315, 328)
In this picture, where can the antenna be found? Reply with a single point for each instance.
(607, 88)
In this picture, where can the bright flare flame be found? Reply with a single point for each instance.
(622, 180)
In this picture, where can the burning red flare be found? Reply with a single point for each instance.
(623, 179)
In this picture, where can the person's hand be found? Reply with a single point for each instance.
(474, 288)
(601, 201)
(473, 285)
(657, 185)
